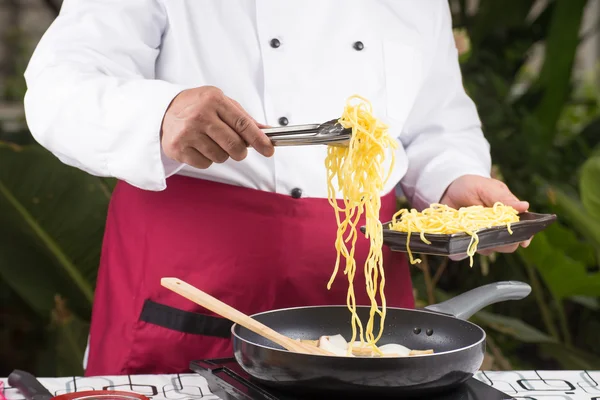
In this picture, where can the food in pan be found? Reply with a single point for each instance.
(442, 219)
(337, 345)
(358, 172)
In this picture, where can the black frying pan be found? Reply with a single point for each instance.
(459, 347)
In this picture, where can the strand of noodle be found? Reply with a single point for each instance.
(360, 178)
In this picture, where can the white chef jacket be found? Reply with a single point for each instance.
(104, 73)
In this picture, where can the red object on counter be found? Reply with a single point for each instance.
(32, 389)
(101, 395)
(254, 250)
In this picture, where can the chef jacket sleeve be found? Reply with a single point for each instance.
(442, 135)
(92, 98)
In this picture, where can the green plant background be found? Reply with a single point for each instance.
(545, 143)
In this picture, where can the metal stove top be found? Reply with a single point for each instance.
(229, 381)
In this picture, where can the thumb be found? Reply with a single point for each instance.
(496, 191)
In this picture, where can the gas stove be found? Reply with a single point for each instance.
(229, 381)
(525, 385)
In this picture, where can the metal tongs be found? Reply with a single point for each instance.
(330, 132)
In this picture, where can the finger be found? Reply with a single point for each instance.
(496, 191)
(526, 243)
(209, 149)
(486, 252)
(238, 105)
(520, 206)
(228, 140)
(502, 249)
(193, 158)
(244, 126)
(458, 257)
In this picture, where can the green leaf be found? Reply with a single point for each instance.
(572, 209)
(67, 335)
(563, 274)
(494, 14)
(36, 285)
(571, 358)
(589, 187)
(51, 222)
(21, 338)
(512, 327)
(590, 135)
(561, 48)
(589, 302)
(566, 239)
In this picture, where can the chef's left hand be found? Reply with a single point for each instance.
(473, 190)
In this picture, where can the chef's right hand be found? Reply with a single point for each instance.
(202, 126)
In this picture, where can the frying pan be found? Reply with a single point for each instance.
(458, 345)
(32, 389)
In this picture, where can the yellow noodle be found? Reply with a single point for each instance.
(357, 171)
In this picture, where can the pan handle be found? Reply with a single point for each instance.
(28, 385)
(465, 305)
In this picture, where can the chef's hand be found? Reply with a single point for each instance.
(473, 190)
(203, 126)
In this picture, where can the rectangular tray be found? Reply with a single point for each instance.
(458, 243)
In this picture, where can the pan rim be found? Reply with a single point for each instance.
(465, 348)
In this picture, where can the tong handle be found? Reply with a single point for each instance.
(298, 135)
(292, 135)
(292, 130)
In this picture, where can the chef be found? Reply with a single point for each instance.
(170, 97)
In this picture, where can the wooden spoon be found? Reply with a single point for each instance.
(218, 307)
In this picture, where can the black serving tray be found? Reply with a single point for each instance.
(458, 243)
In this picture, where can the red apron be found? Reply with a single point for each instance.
(254, 250)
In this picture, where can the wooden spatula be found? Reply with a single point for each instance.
(218, 307)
